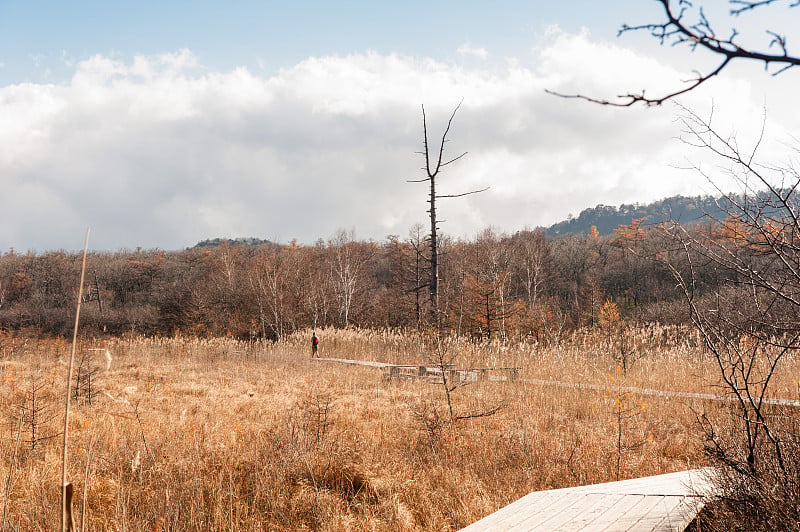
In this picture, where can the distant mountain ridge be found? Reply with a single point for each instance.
(606, 218)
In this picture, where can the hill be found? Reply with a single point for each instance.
(216, 242)
(607, 218)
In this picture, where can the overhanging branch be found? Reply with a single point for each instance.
(675, 30)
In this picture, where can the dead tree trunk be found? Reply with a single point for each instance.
(432, 169)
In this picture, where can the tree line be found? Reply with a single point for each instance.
(493, 286)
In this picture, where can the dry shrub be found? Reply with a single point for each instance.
(758, 495)
(217, 434)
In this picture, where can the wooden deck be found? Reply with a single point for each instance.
(659, 503)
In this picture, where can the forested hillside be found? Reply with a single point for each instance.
(607, 218)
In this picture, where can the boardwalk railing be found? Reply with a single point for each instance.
(433, 373)
(453, 374)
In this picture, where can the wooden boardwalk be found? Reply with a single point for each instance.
(660, 503)
(350, 362)
(432, 373)
(511, 374)
(794, 403)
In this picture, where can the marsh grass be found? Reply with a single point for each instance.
(215, 434)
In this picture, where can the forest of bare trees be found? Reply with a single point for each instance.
(494, 286)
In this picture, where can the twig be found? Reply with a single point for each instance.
(10, 471)
(86, 484)
(141, 430)
(65, 517)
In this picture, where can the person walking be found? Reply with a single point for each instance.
(314, 343)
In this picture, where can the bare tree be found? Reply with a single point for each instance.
(269, 280)
(316, 297)
(37, 410)
(433, 165)
(532, 264)
(409, 274)
(417, 273)
(748, 323)
(685, 24)
(439, 344)
(347, 270)
(488, 280)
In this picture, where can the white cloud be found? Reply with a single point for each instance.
(158, 152)
(470, 51)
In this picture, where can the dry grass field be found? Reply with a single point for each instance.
(194, 434)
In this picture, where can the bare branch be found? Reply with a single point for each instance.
(482, 413)
(461, 195)
(747, 5)
(444, 139)
(675, 30)
(453, 159)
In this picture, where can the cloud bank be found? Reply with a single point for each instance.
(159, 152)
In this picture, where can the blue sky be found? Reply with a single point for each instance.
(38, 37)
(162, 124)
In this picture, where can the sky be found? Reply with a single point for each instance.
(161, 124)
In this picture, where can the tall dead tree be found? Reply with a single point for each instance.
(432, 168)
(433, 165)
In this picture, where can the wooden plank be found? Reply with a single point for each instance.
(528, 516)
(670, 513)
(585, 508)
(641, 506)
(661, 502)
(600, 514)
(592, 517)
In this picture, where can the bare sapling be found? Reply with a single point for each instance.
(36, 411)
(626, 408)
